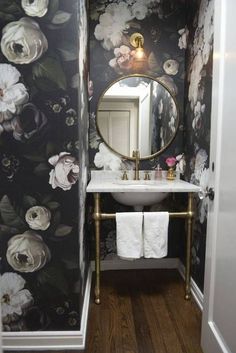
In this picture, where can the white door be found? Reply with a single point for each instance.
(144, 143)
(219, 313)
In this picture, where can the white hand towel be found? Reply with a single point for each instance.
(129, 238)
(155, 234)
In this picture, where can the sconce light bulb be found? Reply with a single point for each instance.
(140, 54)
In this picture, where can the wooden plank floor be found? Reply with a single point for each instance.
(143, 311)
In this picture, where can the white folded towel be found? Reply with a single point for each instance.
(129, 238)
(155, 234)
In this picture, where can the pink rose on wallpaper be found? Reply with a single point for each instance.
(171, 161)
(65, 172)
(123, 59)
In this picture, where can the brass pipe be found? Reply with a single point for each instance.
(104, 216)
(136, 156)
(98, 217)
(97, 258)
(189, 222)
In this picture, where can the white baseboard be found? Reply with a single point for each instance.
(51, 340)
(196, 292)
(118, 264)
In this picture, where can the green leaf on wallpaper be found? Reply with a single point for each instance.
(68, 51)
(63, 230)
(53, 205)
(50, 69)
(152, 62)
(41, 169)
(6, 17)
(133, 24)
(6, 230)
(9, 214)
(52, 9)
(45, 199)
(53, 276)
(11, 7)
(61, 17)
(51, 149)
(29, 201)
(34, 157)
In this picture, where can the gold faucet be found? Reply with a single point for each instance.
(136, 155)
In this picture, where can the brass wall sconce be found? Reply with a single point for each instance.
(140, 58)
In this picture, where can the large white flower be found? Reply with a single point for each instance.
(200, 163)
(112, 24)
(65, 172)
(22, 41)
(183, 32)
(38, 217)
(139, 10)
(27, 252)
(106, 159)
(12, 93)
(201, 50)
(171, 67)
(14, 299)
(203, 205)
(35, 8)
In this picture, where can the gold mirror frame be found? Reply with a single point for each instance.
(163, 148)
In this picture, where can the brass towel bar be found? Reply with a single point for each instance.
(98, 216)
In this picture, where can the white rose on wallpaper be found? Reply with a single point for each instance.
(194, 92)
(205, 22)
(27, 252)
(112, 24)
(171, 67)
(203, 205)
(38, 217)
(12, 93)
(180, 164)
(199, 109)
(35, 8)
(123, 59)
(200, 163)
(139, 10)
(65, 172)
(106, 159)
(183, 32)
(201, 50)
(23, 42)
(14, 298)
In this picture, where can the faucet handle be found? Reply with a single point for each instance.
(147, 176)
(124, 176)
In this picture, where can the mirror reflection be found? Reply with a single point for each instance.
(137, 113)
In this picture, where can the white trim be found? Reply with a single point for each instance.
(118, 264)
(195, 290)
(52, 340)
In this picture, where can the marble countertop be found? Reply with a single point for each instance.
(107, 181)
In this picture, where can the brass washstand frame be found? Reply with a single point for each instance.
(98, 216)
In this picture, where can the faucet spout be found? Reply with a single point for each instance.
(136, 155)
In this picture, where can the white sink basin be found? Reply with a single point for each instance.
(139, 198)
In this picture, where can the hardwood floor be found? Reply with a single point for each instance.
(143, 311)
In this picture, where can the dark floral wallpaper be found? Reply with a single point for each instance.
(42, 265)
(198, 118)
(169, 28)
(163, 25)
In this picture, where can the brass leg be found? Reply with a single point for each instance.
(189, 246)
(97, 255)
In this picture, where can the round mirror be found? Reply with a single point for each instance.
(137, 113)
